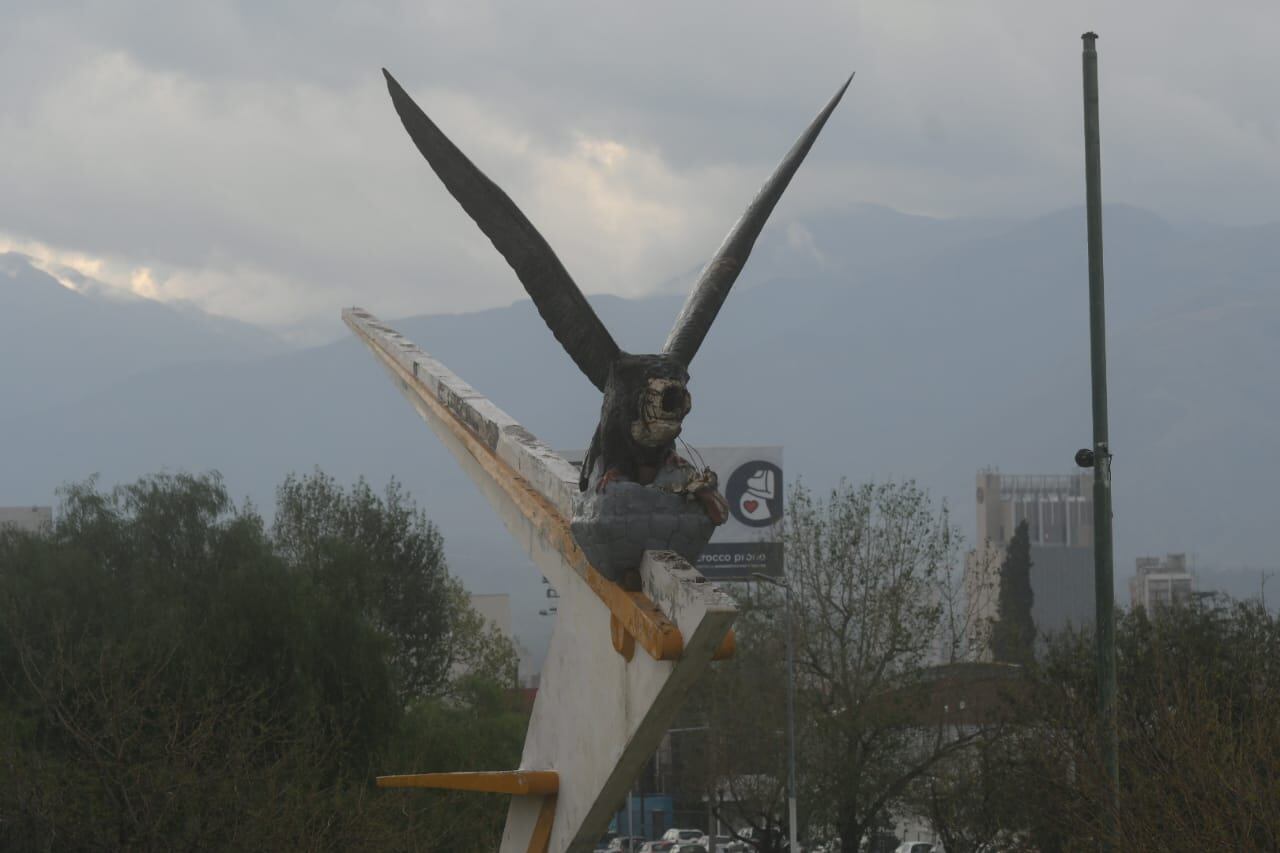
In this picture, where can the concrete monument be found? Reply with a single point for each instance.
(614, 538)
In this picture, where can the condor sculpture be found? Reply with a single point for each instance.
(636, 493)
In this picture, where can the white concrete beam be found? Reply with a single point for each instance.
(598, 717)
(547, 471)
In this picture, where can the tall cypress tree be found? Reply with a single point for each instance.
(1013, 634)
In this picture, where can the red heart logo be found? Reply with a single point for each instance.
(750, 506)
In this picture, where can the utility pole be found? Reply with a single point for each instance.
(792, 820)
(1099, 458)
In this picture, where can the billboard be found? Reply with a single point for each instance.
(750, 541)
(751, 481)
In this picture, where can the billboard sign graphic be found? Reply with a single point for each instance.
(750, 541)
(754, 493)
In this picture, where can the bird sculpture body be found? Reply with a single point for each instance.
(636, 492)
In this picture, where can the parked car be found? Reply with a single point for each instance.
(625, 844)
(914, 847)
(689, 848)
(723, 844)
(684, 836)
(658, 846)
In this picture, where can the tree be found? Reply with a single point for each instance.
(875, 582)
(1199, 736)
(735, 751)
(875, 575)
(1013, 635)
(170, 678)
(477, 727)
(970, 797)
(384, 558)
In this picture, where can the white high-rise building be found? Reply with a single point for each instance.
(1058, 510)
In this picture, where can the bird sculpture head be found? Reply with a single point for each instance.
(646, 397)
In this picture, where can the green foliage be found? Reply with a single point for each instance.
(1198, 689)
(742, 757)
(1013, 635)
(376, 556)
(874, 575)
(971, 798)
(476, 729)
(171, 676)
(1198, 731)
(875, 569)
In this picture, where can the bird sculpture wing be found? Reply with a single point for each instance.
(558, 299)
(718, 276)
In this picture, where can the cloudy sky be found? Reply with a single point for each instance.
(244, 156)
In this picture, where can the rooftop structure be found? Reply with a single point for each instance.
(1161, 582)
(1058, 508)
(29, 518)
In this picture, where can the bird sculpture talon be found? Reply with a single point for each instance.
(714, 504)
(609, 476)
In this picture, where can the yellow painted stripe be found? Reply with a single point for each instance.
(728, 646)
(498, 782)
(540, 840)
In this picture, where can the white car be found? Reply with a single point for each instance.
(915, 847)
(684, 836)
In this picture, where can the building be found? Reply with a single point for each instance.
(30, 518)
(495, 608)
(1058, 510)
(1160, 582)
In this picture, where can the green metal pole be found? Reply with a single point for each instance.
(1104, 586)
(792, 811)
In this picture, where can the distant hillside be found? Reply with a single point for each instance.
(58, 345)
(929, 351)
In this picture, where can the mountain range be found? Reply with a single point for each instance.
(871, 344)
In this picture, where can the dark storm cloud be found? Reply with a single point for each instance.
(244, 155)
